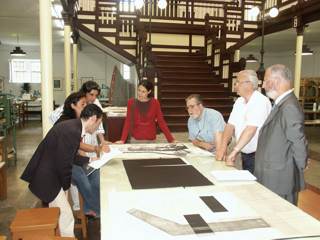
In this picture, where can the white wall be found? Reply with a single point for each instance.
(91, 63)
(310, 64)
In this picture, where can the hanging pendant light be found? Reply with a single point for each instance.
(17, 51)
(306, 51)
(251, 58)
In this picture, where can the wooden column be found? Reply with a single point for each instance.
(75, 66)
(46, 63)
(237, 55)
(298, 61)
(67, 59)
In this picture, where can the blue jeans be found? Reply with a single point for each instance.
(248, 161)
(89, 187)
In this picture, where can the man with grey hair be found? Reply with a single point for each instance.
(248, 115)
(281, 155)
(205, 125)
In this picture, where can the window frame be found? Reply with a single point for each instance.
(28, 73)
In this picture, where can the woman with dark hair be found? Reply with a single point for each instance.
(89, 186)
(72, 107)
(143, 114)
(91, 90)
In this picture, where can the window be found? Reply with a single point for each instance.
(126, 72)
(25, 71)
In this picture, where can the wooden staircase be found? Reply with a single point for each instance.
(182, 74)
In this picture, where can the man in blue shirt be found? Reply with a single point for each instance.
(205, 125)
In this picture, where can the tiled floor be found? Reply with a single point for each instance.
(28, 138)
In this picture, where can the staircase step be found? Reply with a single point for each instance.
(184, 94)
(168, 53)
(179, 74)
(188, 80)
(182, 74)
(190, 68)
(193, 86)
(174, 101)
(180, 58)
(182, 109)
(182, 63)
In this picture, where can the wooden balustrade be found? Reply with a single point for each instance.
(225, 26)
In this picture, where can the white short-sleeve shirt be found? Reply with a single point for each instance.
(252, 113)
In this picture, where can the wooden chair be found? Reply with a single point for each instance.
(3, 181)
(21, 114)
(3, 168)
(3, 149)
(35, 223)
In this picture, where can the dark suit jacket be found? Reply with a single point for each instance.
(49, 169)
(281, 155)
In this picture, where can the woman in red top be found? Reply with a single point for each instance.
(143, 114)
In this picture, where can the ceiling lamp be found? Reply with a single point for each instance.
(254, 11)
(18, 52)
(251, 58)
(306, 51)
(162, 4)
(274, 12)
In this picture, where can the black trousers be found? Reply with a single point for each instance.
(248, 161)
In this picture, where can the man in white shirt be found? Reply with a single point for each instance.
(248, 115)
(281, 156)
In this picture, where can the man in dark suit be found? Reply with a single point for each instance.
(281, 156)
(49, 170)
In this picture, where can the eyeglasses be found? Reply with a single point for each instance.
(237, 82)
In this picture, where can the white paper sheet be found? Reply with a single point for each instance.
(233, 175)
(173, 204)
(105, 157)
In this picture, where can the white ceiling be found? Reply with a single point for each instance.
(285, 41)
(21, 17)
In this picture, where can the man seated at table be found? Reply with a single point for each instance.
(205, 125)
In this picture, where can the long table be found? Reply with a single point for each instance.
(251, 210)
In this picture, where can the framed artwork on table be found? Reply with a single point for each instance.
(57, 83)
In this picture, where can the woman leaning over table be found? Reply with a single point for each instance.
(143, 115)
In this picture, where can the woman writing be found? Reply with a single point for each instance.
(143, 114)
